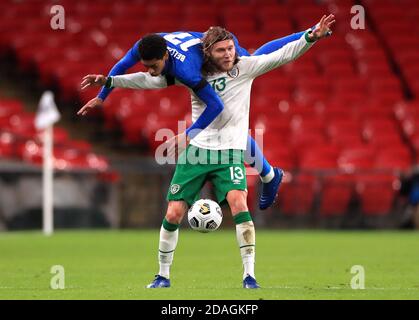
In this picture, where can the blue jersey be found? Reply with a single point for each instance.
(184, 63)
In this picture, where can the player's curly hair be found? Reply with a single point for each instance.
(152, 46)
(212, 36)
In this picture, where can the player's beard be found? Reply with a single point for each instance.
(212, 66)
(225, 66)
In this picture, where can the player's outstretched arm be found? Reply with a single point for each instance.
(129, 60)
(139, 80)
(261, 64)
(277, 44)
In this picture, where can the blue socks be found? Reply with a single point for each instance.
(255, 158)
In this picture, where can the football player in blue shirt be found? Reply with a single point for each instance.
(179, 55)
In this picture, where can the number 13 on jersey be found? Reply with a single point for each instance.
(236, 173)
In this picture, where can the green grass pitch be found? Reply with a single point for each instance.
(289, 265)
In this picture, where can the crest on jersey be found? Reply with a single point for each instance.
(174, 188)
(233, 73)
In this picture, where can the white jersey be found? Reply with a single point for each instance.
(230, 129)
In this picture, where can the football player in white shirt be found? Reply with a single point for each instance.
(225, 138)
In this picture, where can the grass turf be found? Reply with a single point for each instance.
(289, 265)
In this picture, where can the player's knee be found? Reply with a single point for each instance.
(237, 201)
(175, 211)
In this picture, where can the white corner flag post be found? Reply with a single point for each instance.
(45, 118)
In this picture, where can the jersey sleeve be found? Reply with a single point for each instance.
(139, 80)
(214, 106)
(130, 59)
(258, 65)
(276, 44)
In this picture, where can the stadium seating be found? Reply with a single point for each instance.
(345, 106)
(337, 191)
(20, 141)
(297, 196)
(319, 157)
(377, 193)
(356, 158)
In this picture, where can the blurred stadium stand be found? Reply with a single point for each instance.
(342, 120)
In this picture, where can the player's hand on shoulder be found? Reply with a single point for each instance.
(93, 103)
(92, 80)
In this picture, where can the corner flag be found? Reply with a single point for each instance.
(45, 118)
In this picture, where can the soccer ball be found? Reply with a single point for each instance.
(205, 215)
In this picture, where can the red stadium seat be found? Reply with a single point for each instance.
(280, 155)
(152, 25)
(376, 192)
(307, 68)
(414, 142)
(204, 10)
(345, 132)
(154, 125)
(237, 26)
(349, 84)
(356, 158)
(318, 157)
(9, 107)
(23, 125)
(313, 84)
(238, 12)
(375, 127)
(165, 11)
(307, 14)
(296, 197)
(7, 145)
(339, 69)
(338, 112)
(387, 140)
(277, 27)
(343, 126)
(133, 128)
(268, 86)
(410, 127)
(305, 139)
(128, 11)
(393, 158)
(379, 85)
(336, 193)
(334, 55)
(200, 24)
(407, 110)
(266, 125)
(79, 145)
(272, 12)
(375, 113)
(306, 119)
